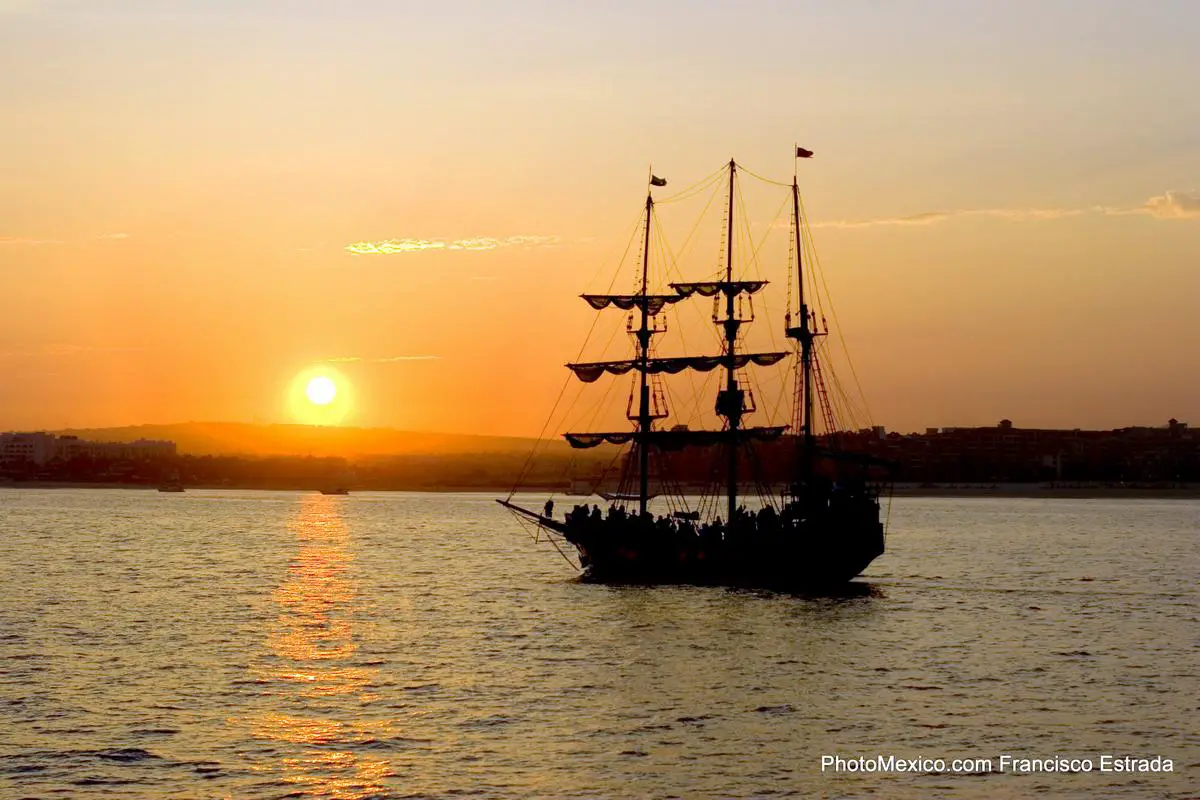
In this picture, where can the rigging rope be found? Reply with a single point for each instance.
(750, 265)
(790, 265)
(671, 261)
(742, 167)
(695, 188)
(554, 409)
(833, 313)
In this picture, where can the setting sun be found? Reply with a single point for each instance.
(321, 390)
(320, 395)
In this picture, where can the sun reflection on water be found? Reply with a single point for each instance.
(311, 655)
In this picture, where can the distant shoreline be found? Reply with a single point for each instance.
(998, 490)
(1062, 490)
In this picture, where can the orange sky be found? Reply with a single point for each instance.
(1005, 200)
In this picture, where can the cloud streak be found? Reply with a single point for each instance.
(59, 350)
(1172, 205)
(935, 217)
(18, 240)
(384, 360)
(389, 247)
(30, 242)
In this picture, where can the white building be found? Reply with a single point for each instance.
(35, 447)
(41, 447)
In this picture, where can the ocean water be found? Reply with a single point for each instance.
(270, 644)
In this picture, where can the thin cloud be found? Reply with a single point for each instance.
(60, 350)
(18, 240)
(1172, 204)
(389, 247)
(25, 240)
(935, 217)
(384, 360)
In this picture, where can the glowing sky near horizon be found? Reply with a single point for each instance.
(1006, 198)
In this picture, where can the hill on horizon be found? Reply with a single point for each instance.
(252, 439)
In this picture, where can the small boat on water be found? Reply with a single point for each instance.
(582, 487)
(336, 490)
(621, 497)
(818, 527)
(171, 484)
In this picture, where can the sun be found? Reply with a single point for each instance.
(321, 390)
(321, 395)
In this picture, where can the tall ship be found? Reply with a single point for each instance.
(774, 504)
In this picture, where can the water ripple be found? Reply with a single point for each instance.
(275, 644)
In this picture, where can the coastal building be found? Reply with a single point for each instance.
(1003, 453)
(36, 447)
(40, 448)
(1008, 453)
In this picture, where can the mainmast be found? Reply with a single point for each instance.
(643, 335)
(730, 401)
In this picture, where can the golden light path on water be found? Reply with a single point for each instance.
(312, 644)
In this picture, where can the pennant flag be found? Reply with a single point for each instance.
(802, 153)
(657, 181)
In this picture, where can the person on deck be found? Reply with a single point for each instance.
(549, 509)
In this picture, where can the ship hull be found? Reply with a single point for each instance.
(820, 556)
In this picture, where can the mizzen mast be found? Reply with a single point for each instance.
(805, 335)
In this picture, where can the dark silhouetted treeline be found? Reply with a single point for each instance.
(411, 472)
(1002, 453)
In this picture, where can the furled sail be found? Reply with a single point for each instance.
(672, 440)
(591, 371)
(654, 303)
(710, 288)
(582, 441)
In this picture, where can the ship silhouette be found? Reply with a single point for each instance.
(819, 528)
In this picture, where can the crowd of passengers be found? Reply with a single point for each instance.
(764, 522)
(626, 522)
